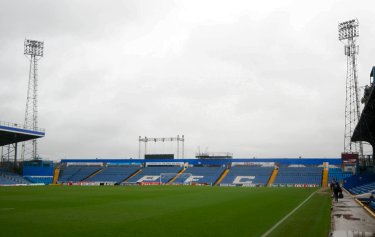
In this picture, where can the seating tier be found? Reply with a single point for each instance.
(114, 174)
(240, 175)
(299, 175)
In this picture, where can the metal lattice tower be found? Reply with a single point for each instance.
(33, 49)
(348, 32)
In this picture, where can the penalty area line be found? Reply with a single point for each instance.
(288, 215)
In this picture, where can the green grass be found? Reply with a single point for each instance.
(160, 211)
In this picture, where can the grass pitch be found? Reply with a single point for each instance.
(161, 211)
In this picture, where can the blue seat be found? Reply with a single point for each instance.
(337, 174)
(76, 173)
(246, 175)
(114, 174)
(372, 205)
(359, 184)
(40, 179)
(201, 175)
(360, 189)
(10, 178)
(299, 176)
(152, 174)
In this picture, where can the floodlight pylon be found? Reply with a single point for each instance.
(348, 33)
(33, 50)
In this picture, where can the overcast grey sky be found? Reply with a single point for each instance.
(255, 78)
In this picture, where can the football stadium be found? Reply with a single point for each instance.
(194, 197)
(210, 194)
(191, 197)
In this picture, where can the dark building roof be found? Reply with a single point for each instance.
(365, 129)
(12, 133)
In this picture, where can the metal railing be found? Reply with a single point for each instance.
(21, 126)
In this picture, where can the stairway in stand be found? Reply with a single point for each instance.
(178, 175)
(222, 176)
(56, 174)
(273, 177)
(325, 178)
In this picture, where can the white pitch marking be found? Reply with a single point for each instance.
(6, 208)
(286, 217)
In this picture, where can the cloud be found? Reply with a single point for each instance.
(262, 79)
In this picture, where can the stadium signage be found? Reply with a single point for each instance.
(263, 164)
(84, 164)
(164, 163)
(149, 183)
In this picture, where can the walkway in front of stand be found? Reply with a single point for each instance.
(349, 219)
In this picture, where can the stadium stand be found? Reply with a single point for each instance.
(365, 188)
(299, 176)
(6, 181)
(152, 174)
(113, 174)
(76, 173)
(240, 172)
(359, 184)
(247, 175)
(337, 174)
(39, 179)
(38, 171)
(10, 178)
(201, 175)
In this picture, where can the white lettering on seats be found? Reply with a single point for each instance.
(243, 179)
(149, 178)
(193, 179)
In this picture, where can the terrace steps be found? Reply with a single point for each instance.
(56, 174)
(93, 174)
(273, 176)
(177, 175)
(222, 176)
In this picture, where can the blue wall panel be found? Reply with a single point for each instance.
(37, 171)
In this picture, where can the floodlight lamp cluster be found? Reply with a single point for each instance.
(34, 48)
(348, 29)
